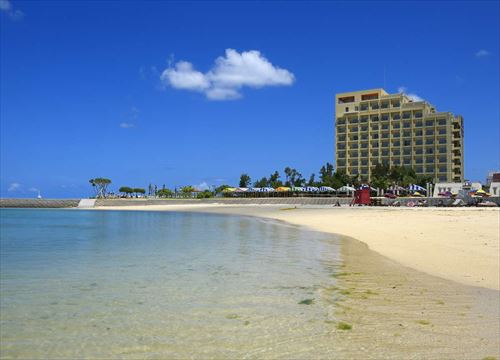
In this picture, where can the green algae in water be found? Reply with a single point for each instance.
(344, 326)
(306, 302)
(423, 322)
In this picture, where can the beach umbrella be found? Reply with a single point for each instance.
(326, 189)
(414, 187)
(298, 188)
(253, 189)
(417, 194)
(241, 189)
(267, 189)
(282, 188)
(346, 188)
(311, 189)
(228, 190)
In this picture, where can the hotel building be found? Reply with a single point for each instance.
(373, 127)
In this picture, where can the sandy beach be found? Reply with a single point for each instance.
(462, 245)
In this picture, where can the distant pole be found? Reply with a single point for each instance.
(384, 77)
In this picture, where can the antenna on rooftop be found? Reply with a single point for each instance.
(384, 77)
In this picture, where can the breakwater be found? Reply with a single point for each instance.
(39, 203)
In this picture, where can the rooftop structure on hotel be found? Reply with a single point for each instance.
(373, 127)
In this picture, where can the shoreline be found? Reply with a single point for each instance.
(461, 245)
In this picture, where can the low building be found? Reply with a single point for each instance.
(455, 188)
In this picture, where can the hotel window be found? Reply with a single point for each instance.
(396, 126)
(406, 152)
(419, 133)
(363, 119)
(406, 133)
(341, 154)
(406, 142)
(375, 127)
(374, 118)
(385, 136)
(354, 146)
(341, 130)
(354, 154)
(396, 117)
(396, 135)
(396, 143)
(442, 169)
(396, 153)
(364, 146)
(442, 121)
(354, 163)
(396, 162)
(347, 109)
(355, 137)
(442, 141)
(419, 151)
(418, 115)
(375, 153)
(407, 125)
(442, 150)
(429, 123)
(419, 160)
(342, 138)
(355, 128)
(429, 160)
(341, 146)
(385, 127)
(364, 153)
(385, 144)
(406, 115)
(429, 169)
(429, 132)
(419, 169)
(418, 124)
(374, 136)
(442, 131)
(442, 159)
(384, 105)
(385, 117)
(364, 137)
(385, 153)
(364, 128)
(364, 162)
(407, 161)
(429, 151)
(418, 142)
(429, 141)
(375, 145)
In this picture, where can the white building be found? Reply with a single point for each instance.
(454, 188)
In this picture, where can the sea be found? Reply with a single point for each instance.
(146, 284)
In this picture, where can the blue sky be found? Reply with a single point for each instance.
(84, 90)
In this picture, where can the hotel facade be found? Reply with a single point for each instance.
(372, 126)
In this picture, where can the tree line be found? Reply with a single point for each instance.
(383, 176)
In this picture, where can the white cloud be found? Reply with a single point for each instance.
(229, 74)
(6, 6)
(202, 186)
(126, 125)
(412, 96)
(14, 187)
(482, 53)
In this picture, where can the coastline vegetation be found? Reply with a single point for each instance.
(383, 176)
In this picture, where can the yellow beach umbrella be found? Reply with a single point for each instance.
(283, 188)
(229, 190)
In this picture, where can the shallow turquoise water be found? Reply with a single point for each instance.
(108, 284)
